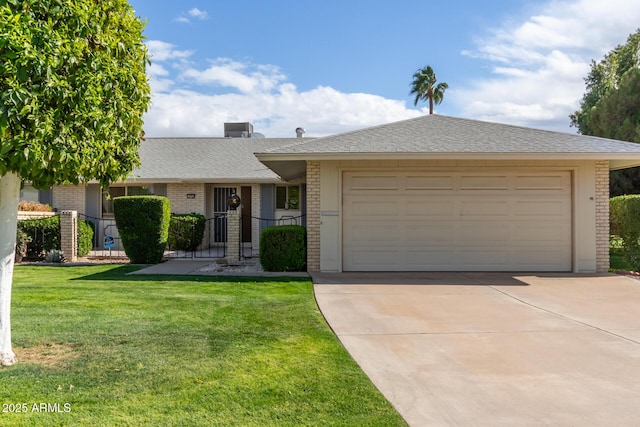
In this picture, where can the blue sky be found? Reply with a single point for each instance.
(333, 66)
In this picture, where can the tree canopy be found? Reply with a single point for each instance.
(424, 87)
(73, 90)
(604, 78)
(610, 107)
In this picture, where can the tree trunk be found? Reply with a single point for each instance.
(9, 198)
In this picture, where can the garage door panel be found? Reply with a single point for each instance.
(510, 221)
(548, 234)
(482, 232)
(444, 182)
(540, 208)
(484, 182)
(374, 232)
(480, 258)
(484, 208)
(430, 208)
(557, 182)
(373, 208)
(374, 182)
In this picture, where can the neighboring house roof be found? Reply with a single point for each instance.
(443, 137)
(205, 159)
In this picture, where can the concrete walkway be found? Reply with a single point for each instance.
(486, 349)
(204, 267)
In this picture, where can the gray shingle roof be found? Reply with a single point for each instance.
(205, 159)
(442, 134)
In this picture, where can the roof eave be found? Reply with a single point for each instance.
(280, 162)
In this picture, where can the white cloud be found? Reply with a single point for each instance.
(244, 77)
(538, 65)
(196, 13)
(274, 105)
(161, 51)
(199, 14)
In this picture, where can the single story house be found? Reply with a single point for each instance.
(444, 193)
(425, 194)
(199, 175)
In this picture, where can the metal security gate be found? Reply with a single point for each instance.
(106, 239)
(208, 247)
(221, 197)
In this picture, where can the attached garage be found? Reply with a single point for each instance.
(439, 193)
(491, 221)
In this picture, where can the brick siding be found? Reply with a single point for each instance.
(69, 197)
(602, 216)
(313, 216)
(177, 194)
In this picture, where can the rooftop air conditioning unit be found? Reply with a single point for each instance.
(238, 130)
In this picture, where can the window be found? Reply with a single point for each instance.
(288, 197)
(108, 196)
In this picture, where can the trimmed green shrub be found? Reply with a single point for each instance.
(283, 248)
(44, 235)
(625, 223)
(85, 237)
(55, 257)
(143, 225)
(186, 231)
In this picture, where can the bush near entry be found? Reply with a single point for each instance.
(625, 223)
(283, 248)
(186, 231)
(143, 225)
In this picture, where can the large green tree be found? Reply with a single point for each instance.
(73, 89)
(610, 107)
(424, 87)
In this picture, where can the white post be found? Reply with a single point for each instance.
(9, 198)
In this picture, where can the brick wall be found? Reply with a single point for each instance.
(233, 235)
(69, 235)
(313, 216)
(177, 194)
(69, 198)
(602, 216)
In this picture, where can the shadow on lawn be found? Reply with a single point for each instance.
(121, 273)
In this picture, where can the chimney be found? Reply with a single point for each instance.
(299, 132)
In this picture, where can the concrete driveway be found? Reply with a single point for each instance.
(491, 349)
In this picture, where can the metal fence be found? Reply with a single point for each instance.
(212, 245)
(41, 234)
(106, 239)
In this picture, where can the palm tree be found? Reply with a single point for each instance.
(424, 87)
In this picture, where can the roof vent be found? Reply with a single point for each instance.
(299, 132)
(238, 130)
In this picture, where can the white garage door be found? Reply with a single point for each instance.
(431, 221)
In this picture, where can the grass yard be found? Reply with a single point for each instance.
(99, 348)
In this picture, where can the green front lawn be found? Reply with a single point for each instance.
(97, 347)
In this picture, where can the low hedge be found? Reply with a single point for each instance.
(143, 225)
(43, 235)
(283, 248)
(186, 231)
(624, 216)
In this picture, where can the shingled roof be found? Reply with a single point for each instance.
(443, 137)
(205, 159)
